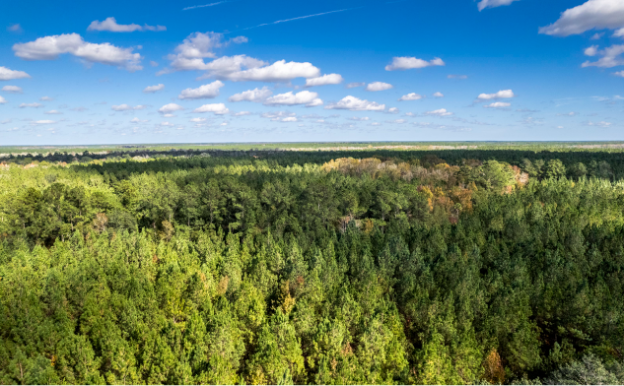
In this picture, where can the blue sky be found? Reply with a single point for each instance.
(341, 70)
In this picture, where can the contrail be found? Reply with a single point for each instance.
(302, 17)
(205, 5)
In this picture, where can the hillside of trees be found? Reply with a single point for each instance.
(272, 267)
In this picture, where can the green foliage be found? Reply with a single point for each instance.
(407, 267)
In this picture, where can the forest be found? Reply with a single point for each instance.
(258, 266)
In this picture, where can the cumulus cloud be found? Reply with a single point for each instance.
(354, 104)
(217, 108)
(324, 80)
(190, 54)
(43, 122)
(393, 110)
(13, 89)
(408, 63)
(255, 95)
(498, 105)
(619, 73)
(610, 57)
(206, 91)
(483, 4)
(125, 107)
(2, 100)
(356, 84)
(305, 97)
(153, 89)
(498, 95)
(278, 116)
(378, 86)
(602, 124)
(137, 120)
(438, 95)
(7, 74)
(280, 71)
(110, 24)
(50, 47)
(289, 119)
(53, 112)
(591, 51)
(411, 97)
(439, 113)
(35, 105)
(170, 108)
(242, 113)
(593, 14)
(197, 120)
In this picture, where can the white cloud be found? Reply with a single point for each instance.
(198, 120)
(217, 108)
(53, 112)
(359, 118)
(610, 57)
(50, 47)
(2, 100)
(153, 89)
(408, 63)
(255, 95)
(35, 105)
(137, 120)
(170, 108)
(439, 113)
(591, 51)
(305, 97)
(438, 95)
(493, 3)
(242, 113)
(324, 80)
(15, 28)
(277, 116)
(206, 91)
(191, 53)
(46, 99)
(356, 84)
(289, 119)
(153, 63)
(619, 73)
(393, 110)
(7, 74)
(454, 76)
(378, 86)
(43, 122)
(110, 24)
(593, 14)
(599, 124)
(399, 121)
(125, 107)
(596, 36)
(13, 89)
(498, 105)
(411, 97)
(498, 95)
(354, 104)
(279, 71)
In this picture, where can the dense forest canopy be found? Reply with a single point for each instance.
(325, 267)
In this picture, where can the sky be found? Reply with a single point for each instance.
(215, 71)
